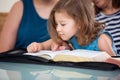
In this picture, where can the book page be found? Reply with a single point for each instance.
(117, 58)
(80, 55)
(48, 54)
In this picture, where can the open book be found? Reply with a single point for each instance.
(77, 55)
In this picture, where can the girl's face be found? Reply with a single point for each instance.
(65, 26)
(101, 3)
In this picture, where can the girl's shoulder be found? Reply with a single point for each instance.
(105, 36)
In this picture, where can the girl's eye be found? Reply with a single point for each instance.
(62, 24)
(56, 24)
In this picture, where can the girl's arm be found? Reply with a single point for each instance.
(105, 44)
(35, 47)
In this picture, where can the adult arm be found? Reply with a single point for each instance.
(10, 28)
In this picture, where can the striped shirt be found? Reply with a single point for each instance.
(112, 26)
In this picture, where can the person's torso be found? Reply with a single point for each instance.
(112, 26)
(32, 27)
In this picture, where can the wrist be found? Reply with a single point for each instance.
(41, 46)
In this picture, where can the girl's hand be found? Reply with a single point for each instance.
(63, 46)
(34, 47)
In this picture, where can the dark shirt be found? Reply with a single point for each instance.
(32, 27)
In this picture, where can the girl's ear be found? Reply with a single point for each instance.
(78, 27)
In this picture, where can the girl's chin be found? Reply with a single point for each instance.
(65, 39)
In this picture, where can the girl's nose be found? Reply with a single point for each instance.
(58, 28)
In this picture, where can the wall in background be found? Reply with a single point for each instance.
(5, 5)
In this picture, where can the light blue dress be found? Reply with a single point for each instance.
(92, 46)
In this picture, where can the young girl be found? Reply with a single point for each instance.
(72, 22)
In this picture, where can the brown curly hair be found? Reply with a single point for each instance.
(82, 12)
